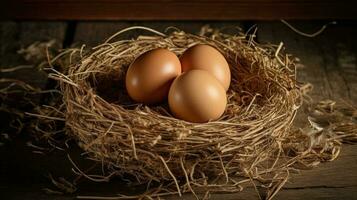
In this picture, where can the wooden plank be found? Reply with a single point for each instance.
(336, 174)
(178, 10)
(333, 180)
(17, 35)
(92, 33)
(14, 165)
(330, 58)
(329, 64)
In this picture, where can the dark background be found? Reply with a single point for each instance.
(329, 62)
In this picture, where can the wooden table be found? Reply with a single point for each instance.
(330, 64)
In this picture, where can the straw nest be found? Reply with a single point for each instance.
(253, 142)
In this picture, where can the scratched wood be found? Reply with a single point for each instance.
(329, 63)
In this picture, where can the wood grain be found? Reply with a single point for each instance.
(104, 29)
(329, 63)
(328, 60)
(177, 10)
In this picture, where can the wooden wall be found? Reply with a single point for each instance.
(177, 10)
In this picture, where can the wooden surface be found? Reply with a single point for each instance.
(329, 63)
(177, 10)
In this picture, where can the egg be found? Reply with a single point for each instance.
(207, 58)
(197, 96)
(149, 77)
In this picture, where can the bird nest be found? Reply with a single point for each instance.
(253, 142)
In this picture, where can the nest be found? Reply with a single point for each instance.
(253, 142)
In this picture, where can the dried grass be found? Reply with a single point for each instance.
(253, 142)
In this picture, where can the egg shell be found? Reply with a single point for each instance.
(149, 77)
(196, 96)
(206, 57)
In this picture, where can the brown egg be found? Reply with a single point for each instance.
(207, 58)
(149, 77)
(196, 96)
